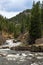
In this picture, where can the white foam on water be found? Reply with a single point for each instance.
(34, 64)
(31, 55)
(39, 57)
(12, 57)
(22, 60)
(24, 54)
(5, 49)
(29, 58)
(36, 54)
(40, 53)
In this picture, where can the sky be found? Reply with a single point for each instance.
(10, 8)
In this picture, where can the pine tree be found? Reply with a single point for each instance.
(15, 31)
(42, 16)
(35, 29)
(42, 12)
(27, 22)
(22, 25)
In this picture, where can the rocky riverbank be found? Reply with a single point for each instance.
(28, 48)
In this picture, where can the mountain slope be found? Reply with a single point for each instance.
(23, 15)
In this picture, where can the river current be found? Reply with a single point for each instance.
(11, 57)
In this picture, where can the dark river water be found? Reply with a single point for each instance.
(11, 57)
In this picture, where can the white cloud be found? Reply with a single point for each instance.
(15, 5)
(8, 14)
(38, 0)
(12, 4)
(10, 8)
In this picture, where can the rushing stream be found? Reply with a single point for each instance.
(11, 57)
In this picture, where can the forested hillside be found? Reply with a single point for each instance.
(22, 21)
(16, 26)
(23, 15)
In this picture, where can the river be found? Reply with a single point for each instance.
(11, 57)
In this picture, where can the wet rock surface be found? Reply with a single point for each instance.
(21, 58)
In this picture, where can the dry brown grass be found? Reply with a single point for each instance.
(7, 35)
